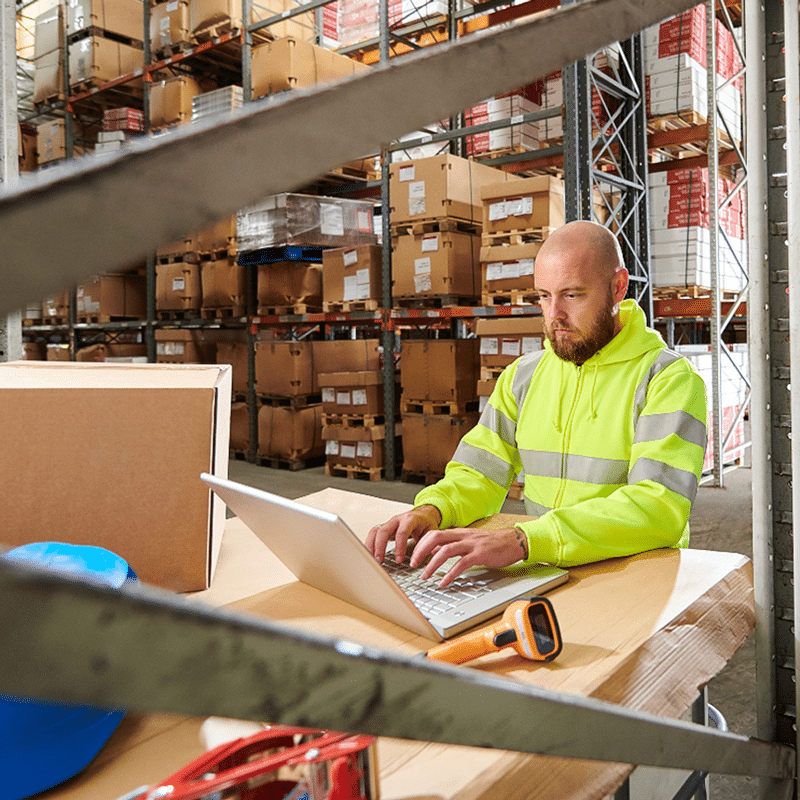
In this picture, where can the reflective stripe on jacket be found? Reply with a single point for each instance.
(611, 451)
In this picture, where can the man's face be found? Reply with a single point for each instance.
(577, 303)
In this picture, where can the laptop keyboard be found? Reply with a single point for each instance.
(426, 595)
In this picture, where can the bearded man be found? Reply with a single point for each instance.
(606, 424)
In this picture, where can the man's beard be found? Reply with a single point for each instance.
(581, 349)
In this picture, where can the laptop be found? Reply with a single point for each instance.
(321, 550)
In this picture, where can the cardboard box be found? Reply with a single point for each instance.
(440, 263)
(96, 60)
(290, 433)
(508, 267)
(352, 274)
(210, 18)
(126, 352)
(171, 101)
(169, 24)
(111, 296)
(94, 352)
(51, 144)
(26, 151)
(347, 355)
(301, 27)
(223, 285)
(441, 186)
(48, 77)
(240, 428)
(235, 354)
(56, 306)
(285, 369)
(141, 435)
(57, 352)
(350, 452)
(48, 31)
(34, 351)
(429, 440)
(178, 287)
(504, 339)
(289, 283)
(531, 203)
(442, 370)
(354, 393)
(221, 236)
(123, 17)
(290, 63)
(188, 346)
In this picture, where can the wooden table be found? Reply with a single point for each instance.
(646, 632)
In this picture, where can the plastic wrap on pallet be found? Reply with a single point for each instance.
(220, 101)
(296, 219)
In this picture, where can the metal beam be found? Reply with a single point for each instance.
(149, 650)
(201, 174)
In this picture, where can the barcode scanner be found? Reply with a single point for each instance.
(529, 626)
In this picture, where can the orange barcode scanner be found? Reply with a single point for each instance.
(529, 626)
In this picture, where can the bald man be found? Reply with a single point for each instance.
(606, 424)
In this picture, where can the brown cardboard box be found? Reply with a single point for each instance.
(185, 347)
(369, 455)
(429, 440)
(351, 274)
(96, 59)
(235, 354)
(56, 307)
(441, 370)
(94, 352)
(141, 435)
(441, 186)
(178, 248)
(221, 236)
(285, 369)
(171, 101)
(48, 77)
(440, 263)
(214, 17)
(169, 24)
(347, 355)
(356, 393)
(223, 285)
(110, 296)
(126, 353)
(51, 142)
(531, 203)
(178, 287)
(240, 427)
(290, 433)
(48, 31)
(301, 27)
(290, 63)
(34, 351)
(508, 267)
(123, 17)
(57, 352)
(289, 283)
(504, 339)
(28, 159)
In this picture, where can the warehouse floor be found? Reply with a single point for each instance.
(721, 520)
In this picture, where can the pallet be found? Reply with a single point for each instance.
(269, 255)
(93, 319)
(491, 373)
(281, 311)
(352, 472)
(354, 420)
(435, 225)
(27, 323)
(54, 320)
(102, 33)
(50, 100)
(238, 397)
(515, 237)
(435, 301)
(189, 257)
(297, 401)
(292, 464)
(170, 50)
(228, 312)
(351, 305)
(690, 291)
(220, 254)
(238, 455)
(175, 315)
(668, 122)
(436, 407)
(513, 297)
(503, 151)
(426, 478)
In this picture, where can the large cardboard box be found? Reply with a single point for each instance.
(285, 369)
(48, 77)
(441, 186)
(504, 339)
(57, 352)
(171, 101)
(290, 433)
(221, 236)
(290, 63)
(441, 370)
(240, 427)
(439, 263)
(354, 393)
(112, 296)
(110, 455)
(347, 355)
(223, 285)
(429, 440)
(51, 143)
(508, 267)
(169, 24)
(48, 31)
(214, 17)
(361, 448)
(235, 354)
(96, 59)
(289, 283)
(351, 274)
(123, 17)
(536, 202)
(28, 158)
(188, 346)
(178, 287)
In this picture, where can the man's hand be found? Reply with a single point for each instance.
(475, 546)
(410, 525)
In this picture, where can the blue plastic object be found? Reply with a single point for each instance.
(43, 744)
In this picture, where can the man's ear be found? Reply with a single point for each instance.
(620, 284)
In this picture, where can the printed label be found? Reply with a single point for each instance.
(172, 7)
(332, 448)
(497, 211)
(422, 283)
(348, 450)
(488, 346)
(406, 173)
(511, 347)
(530, 344)
(342, 398)
(331, 220)
(359, 397)
(422, 266)
(430, 244)
(328, 395)
(364, 449)
(350, 257)
(178, 284)
(350, 287)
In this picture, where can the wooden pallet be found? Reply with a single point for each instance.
(173, 315)
(282, 311)
(238, 397)
(515, 237)
(491, 373)
(50, 100)
(354, 420)
(292, 464)
(435, 225)
(54, 320)
(413, 476)
(229, 312)
(220, 254)
(27, 323)
(102, 33)
(513, 297)
(435, 407)
(188, 257)
(353, 472)
(351, 305)
(88, 319)
(435, 301)
(668, 122)
(690, 291)
(170, 50)
(238, 455)
(297, 401)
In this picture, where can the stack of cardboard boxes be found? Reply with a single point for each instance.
(436, 223)
(352, 278)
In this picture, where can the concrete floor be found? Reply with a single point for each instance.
(721, 520)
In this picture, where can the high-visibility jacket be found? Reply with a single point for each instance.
(611, 451)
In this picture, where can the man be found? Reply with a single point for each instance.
(607, 425)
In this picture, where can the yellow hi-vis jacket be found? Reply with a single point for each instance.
(611, 451)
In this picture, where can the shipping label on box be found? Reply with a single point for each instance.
(529, 203)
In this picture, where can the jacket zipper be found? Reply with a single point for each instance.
(565, 437)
